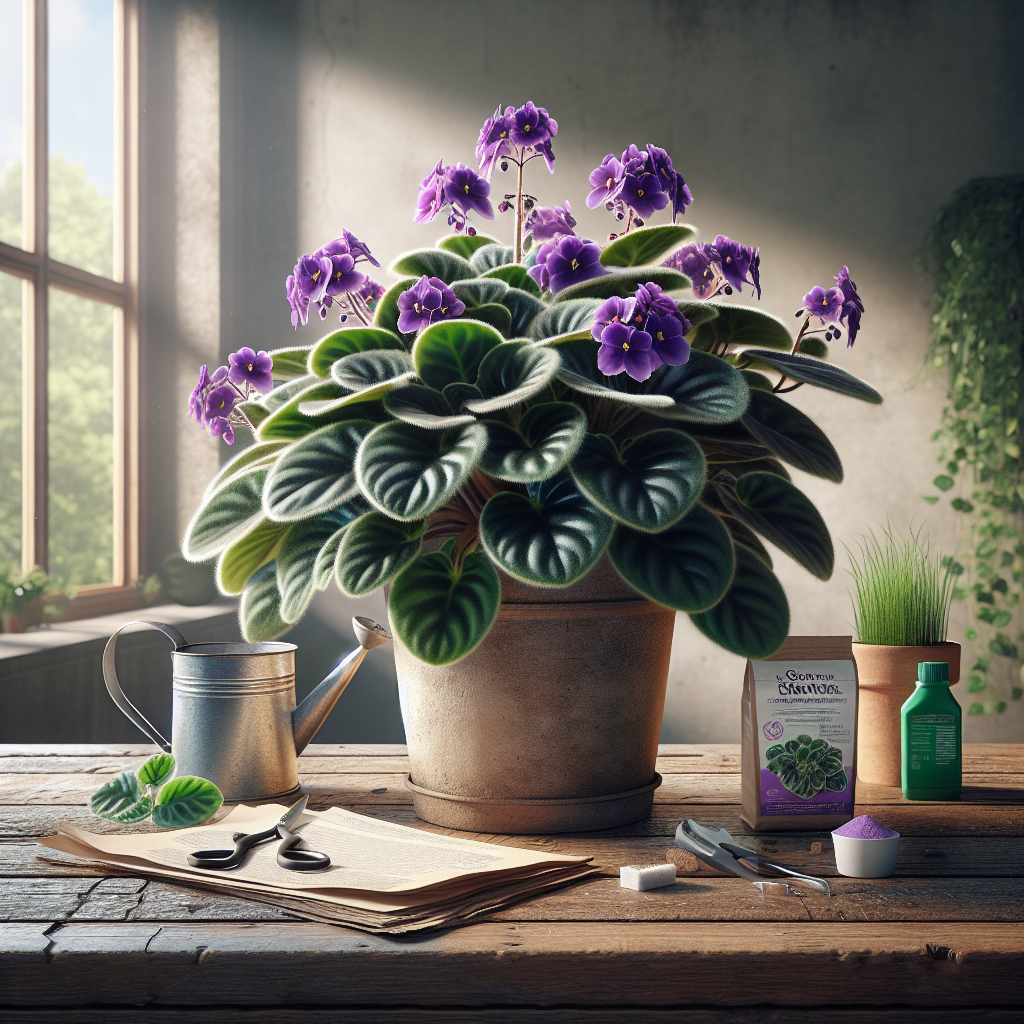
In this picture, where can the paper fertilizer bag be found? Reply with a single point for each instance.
(800, 736)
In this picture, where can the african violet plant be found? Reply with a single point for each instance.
(527, 408)
(808, 767)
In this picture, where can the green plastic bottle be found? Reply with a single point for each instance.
(932, 737)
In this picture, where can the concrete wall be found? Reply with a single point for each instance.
(826, 133)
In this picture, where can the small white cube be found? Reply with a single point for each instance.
(646, 876)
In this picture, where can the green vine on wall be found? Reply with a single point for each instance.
(976, 253)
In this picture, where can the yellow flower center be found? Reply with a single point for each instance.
(416, 306)
(661, 336)
(466, 189)
(575, 265)
(625, 346)
(639, 191)
(250, 367)
(526, 127)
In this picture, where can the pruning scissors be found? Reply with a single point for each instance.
(715, 846)
(290, 854)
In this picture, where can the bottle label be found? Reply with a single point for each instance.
(806, 713)
(932, 745)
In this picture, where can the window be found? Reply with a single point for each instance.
(68, 294)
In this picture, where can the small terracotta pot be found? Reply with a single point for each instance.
(887, 676)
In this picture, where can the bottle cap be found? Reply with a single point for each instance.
(935, 673)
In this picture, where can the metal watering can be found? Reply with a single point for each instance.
(234, 720)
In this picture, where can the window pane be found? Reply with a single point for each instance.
(81, 101)
(11, 290)
(12, 128)
(81, 438)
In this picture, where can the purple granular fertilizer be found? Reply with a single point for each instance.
(864, 827)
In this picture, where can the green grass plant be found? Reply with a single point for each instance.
(903, 591)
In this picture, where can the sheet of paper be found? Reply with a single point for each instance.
(367, 855)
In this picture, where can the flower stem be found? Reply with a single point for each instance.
(519, 216)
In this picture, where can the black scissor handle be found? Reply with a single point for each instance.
(294, 857)
(221, 859)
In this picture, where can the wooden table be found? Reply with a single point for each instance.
(940, 942)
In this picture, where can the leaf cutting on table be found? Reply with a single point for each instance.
(185, 802)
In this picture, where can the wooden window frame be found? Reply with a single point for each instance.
(32, 263)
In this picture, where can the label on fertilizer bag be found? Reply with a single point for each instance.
(806, 715)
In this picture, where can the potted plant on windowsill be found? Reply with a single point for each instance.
(23, 597)
(901, 607)
(543, 451)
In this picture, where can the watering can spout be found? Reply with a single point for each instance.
(311, 713)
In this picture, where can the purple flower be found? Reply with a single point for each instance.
(539, 266)
(426, 302)
(298, 303)
(371, 292)
(495, 140)
(254, 368)
(700, 264)
(826, 305)
(220, 402)
(532, 126)
(851, 317)
(651, 299)
(625, 348)
(615, 310)
(358, 249)
(220, 426)
(671, 180)
(197, 399)
(431, 197)
(604, 181)
(737, 261)
(545, 222)
(465, 190)
(572, 260)
(667, 341)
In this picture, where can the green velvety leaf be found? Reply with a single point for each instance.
(494, 314)
(284, 393)
(247, 554)
(255, 455)
(299, 552)
(425, 408)
(511, 373)
(439, 263)
(516, 276)
(624, 283)
(186, 802)
(363, 370)
(704, 389)
(698, 312)
(451, 351)
(316, 474)
(785, 515)
(409, 473)
(156, 770)
(650, 484)
(687, 567)
(550, 540)
(792, 436)
(752, 619)
(386, 314)
(757, 381)
(579, 370)
(121, 799)
(644, 246)
(228, 513)
(837, 783)
(745, 325)
(457, 394)
(375, 549)
(564, 321)
(814, 371)
(294, 420)
(290, 363)
(524, 308)
(488, 257)
(323, 568)
(464, 245)
(441, 615)
(479, 291)
(259, 611)
(813, 347)
(348, 341)
(765, 465)
(255, 412)
(548, 436)
(742, 534)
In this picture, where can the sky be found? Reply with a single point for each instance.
(81, 85)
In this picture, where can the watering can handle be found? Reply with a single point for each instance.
(131, 712)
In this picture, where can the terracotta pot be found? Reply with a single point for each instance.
(552, 723)
(886, 677)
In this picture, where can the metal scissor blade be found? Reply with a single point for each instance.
(293, 813)
(703, 843)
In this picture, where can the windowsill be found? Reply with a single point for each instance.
(79, 631)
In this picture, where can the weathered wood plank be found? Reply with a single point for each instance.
(380, 788)
(297, 1014)
(909, 819)
(945, 964)
(595, 899)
